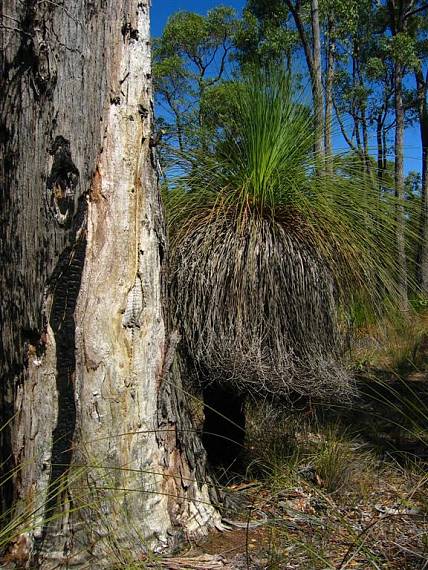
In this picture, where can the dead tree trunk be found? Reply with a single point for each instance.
(106, 462)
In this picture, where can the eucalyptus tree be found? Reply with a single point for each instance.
(377, 90)
(264, 35)
(400, 19)
(341, 22)
(321, 30)
(310, 38)
(100, 461)
(190, 59)
(364, 88)
(418, 30)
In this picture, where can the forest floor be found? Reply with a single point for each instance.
(333, 487)
(373, 513)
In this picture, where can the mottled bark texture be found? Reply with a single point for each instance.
(86, 356)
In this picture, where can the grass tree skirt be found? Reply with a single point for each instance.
(258, 308)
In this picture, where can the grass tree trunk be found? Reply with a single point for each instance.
(106, 462)
(399, 183)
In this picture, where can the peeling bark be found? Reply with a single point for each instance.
(109, 464)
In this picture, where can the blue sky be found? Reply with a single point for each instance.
(162, 9)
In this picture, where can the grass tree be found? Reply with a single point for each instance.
(269, 254)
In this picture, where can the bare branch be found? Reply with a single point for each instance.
(416, 11)
(342, 128)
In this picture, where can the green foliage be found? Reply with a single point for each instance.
(345, 16)
(333, 460)
(375, 68)
(265, 148)
(217, 107)
(263, 35)
(402, 48)
(189, 59)
(193, 36)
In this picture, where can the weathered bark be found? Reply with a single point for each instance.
(107, 460)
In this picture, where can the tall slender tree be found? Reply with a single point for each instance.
(400, 13)
(190, 57)
(317, 89)
(311, 43)
(329, 84)
(422, 107)
(419, 28)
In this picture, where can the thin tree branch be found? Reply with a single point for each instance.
(342, 128)
(295, 10)
(415, 11)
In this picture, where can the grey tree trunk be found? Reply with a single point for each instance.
(399, 184)
(107, 464)
(379, 141)
(422, 273)
(331, 49)
(317, 80)
(423, 224)
(312, 50)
